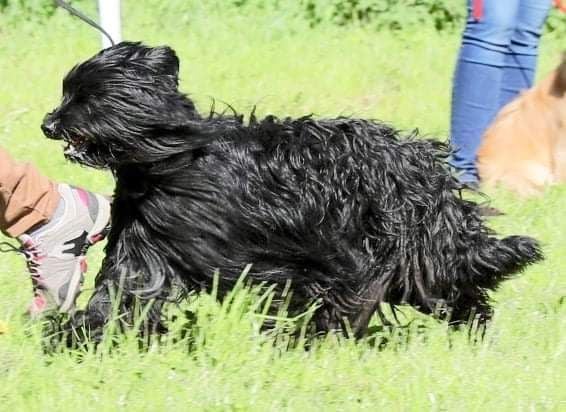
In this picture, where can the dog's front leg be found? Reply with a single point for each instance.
(110, 311)
(130, 291)
(88, 324)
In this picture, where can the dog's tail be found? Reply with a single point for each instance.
(500, 259)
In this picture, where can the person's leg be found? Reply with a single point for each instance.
(27, 198)
(55, 223)
(521, 58)
(477, 80)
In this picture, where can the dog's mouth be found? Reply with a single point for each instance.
(74, 145)
(83, 150)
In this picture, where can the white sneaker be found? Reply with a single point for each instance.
(55, 252)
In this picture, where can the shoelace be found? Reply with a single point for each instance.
(31, 253)
(32, 256)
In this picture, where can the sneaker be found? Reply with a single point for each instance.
(55, 252)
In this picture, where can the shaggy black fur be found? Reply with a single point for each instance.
(350, 212)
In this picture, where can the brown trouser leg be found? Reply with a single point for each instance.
(27, 198)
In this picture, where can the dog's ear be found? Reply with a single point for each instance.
(162, 60)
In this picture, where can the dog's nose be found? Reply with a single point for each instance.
(48, 127)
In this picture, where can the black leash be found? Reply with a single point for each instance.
(83, 17)
(7, 247)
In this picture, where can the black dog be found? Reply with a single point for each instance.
(347, 211)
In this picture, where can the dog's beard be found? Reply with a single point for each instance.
(83, 150)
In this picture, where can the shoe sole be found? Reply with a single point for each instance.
(97, 233)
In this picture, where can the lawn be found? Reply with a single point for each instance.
(277, 63)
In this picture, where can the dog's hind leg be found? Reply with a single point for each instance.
(351, 322)
(371, 299)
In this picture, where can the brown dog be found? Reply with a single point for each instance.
(524, 149)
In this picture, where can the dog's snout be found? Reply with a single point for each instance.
(49, 127)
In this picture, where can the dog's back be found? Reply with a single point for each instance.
(525, 147)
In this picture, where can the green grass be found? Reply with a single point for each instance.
(276, 63)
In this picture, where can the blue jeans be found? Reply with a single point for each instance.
(497, 60)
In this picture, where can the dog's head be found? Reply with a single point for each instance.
(118, 104)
